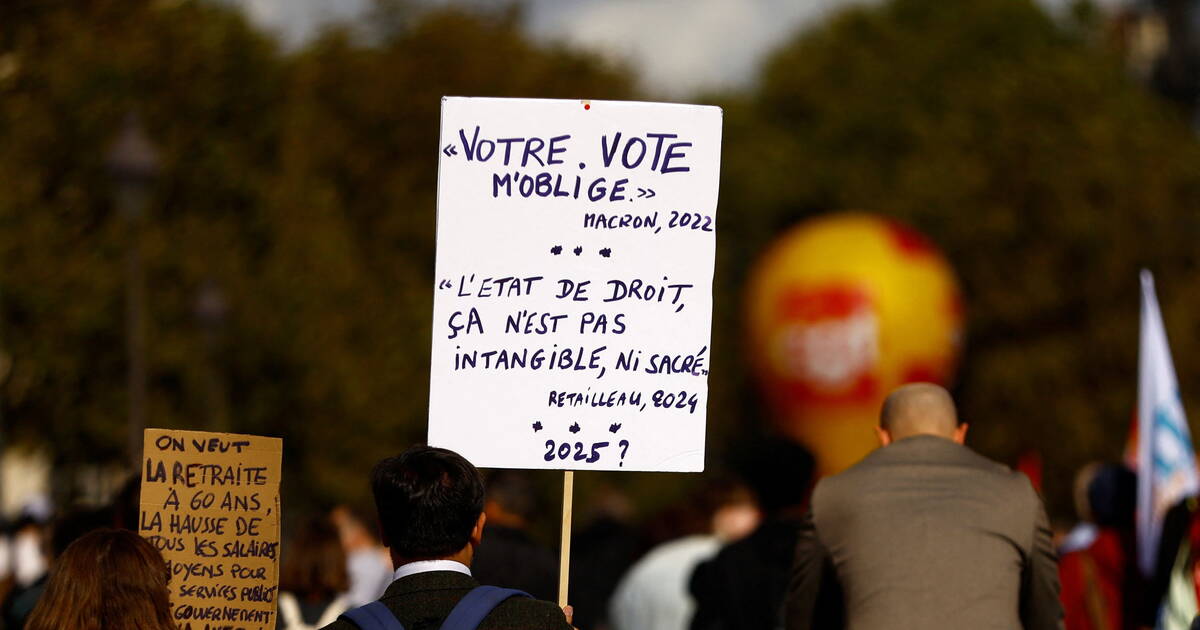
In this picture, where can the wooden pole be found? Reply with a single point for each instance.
(564, 558)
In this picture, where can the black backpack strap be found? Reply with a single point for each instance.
(373, 616)
(476, 605)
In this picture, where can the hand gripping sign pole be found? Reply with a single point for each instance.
(573, 288)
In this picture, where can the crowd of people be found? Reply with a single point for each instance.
(921, 533)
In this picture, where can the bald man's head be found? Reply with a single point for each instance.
(919, 409)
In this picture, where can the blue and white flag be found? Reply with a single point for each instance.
(1166, 459)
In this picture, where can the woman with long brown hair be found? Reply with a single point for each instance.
(110, 579)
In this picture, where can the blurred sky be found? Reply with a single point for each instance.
(676, 46)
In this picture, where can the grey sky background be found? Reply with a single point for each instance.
(677, 47)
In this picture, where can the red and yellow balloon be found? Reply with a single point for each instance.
(842, 309)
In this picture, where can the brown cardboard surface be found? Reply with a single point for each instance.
(210, 504)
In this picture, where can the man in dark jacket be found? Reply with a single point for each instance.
(430, 504)
(743, 586)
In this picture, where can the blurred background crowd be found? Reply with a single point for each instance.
(220, 216)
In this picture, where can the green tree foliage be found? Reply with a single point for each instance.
(300, 187)
(208, 88)
(1020, 147)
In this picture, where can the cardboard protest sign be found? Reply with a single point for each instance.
(573, 302)
(210, 504)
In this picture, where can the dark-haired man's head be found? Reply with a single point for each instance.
(430, 503)
(919, 409)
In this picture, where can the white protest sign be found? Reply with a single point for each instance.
(573, 302)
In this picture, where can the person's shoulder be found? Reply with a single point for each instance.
(1007, 487)
(340, 624)
(993, 477)
(1011, 480)
(847, 481)
(527, 613)
(988, 466)
(921, 455)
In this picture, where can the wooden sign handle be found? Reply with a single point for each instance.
(564, 558)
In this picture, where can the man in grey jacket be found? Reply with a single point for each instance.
(924, 533)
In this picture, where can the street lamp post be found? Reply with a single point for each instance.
(133, 162)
